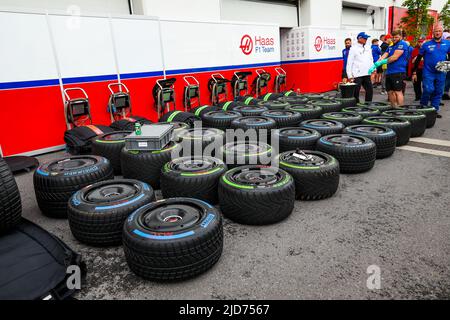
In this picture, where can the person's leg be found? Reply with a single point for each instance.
(358, 82)
(447, 87)
(417, 88)
(427, 88)
(419, 81)
(392, 98)
(383, 82)
(439, 84)
(368, 87)
(400, 98)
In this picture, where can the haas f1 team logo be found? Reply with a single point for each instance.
(318, 43)
(246, 44)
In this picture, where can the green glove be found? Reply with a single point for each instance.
(377, 64)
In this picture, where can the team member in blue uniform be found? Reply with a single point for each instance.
(348, 45)
(396, 60)
(376, 54)
(432, 52)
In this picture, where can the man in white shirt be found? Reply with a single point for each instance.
(359, 62)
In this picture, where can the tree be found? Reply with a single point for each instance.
(444, 16)
(418, 21)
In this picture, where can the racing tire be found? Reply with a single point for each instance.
(313, 96)
(97, 212)
(363, 111)
(146, 165)
(316, 174)
(346, 118)
(179, 116)
(247, 100)
(307, 111)
(294, 100)
(173, 239)
(346, 102)
(263, 126)
(324, 127)
(380, 106)
(328, 105)
(199, 111)
(274, 105)
(384, 138)
(196, 141)
(256, 195)
(192, 177)
(417, 119)
(109, 146)
(248, 111)
(10, 201)
(296, 138)
(401, 127)
(355, 153)
(271, 96)
(56, 181)
(429, 112)
(284, 118)
(241, 153)
(219, 119)
(228, 105)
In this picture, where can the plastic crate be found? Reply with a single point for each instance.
(152, 137)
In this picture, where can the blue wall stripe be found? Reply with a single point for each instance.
(137, 75)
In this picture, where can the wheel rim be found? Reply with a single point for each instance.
(322, 123)
(294, 132)
(256, 177)
(304, 107)
(279, 113)
(110, 193)
(171, 217)
(345, 140)
(192, 164)
(341, 115)
(386, 120)
(252, 120)
(306, 159)
(370, 129)
(71, 164)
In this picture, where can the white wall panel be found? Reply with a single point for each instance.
(180, 9)
(84, 47)
(26, 52)
(138, 45)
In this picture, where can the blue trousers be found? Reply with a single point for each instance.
(433, 88)
(447, 83)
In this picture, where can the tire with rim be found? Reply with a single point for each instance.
(56, 181)
(284, 118)
(324, 127)
(228, 105)
(196, 141)
(263, 126)
(429, 112)
(248, 111)
(271, 96)
(192, 177)
(381, 106)
(316, 174)
(401, 127)
(173, 239)
(256, 195)
(384, 138)
(240, 153)
(146, 165)
(109, 146)
(219, 119)
(296, 138)
(97, 212)
(328, 105)
(199, 111)
(346, 102)
(363, 111)
(346, 118)
(355, 153)
(307, 111)
(247, 100)
(179, 116)
(418, 120)
(313, 96)
(294, 100)
(274, 105)
(10, 202)
(178, 127)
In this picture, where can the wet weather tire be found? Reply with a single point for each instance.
(192, 177)
(316, 174)
(256, 195)
(328, 105)
(324, 127)
(97, 212)
(401, 127)
(219, 119)
(296, 138)
(10, 203)
(307, 111)
(284, 118)
(429, 112)
(384, 138)
(355, 153)
(173, 239)
(146, 165)
(240, 153)
(346, 118)
(56, 181)
(109, 146)
(417, 119)
(363, 111)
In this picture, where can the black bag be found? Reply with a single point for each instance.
(78, 139)
(128, 124)
(33, 264)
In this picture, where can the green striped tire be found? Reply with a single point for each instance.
(328, 105)
(346, 118)
(381, 106)
(110, 145)
(240, 153)
(363, 111)
(429, 112)
(417, 119)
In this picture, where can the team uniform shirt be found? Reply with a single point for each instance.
(359, 62)
(401, 64)
(434, 52)
(345, 57)
(376, 52)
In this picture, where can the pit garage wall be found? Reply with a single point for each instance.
(47, 52)
(312, 57)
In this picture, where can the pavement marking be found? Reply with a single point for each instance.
(444, 143)
(427, 151)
